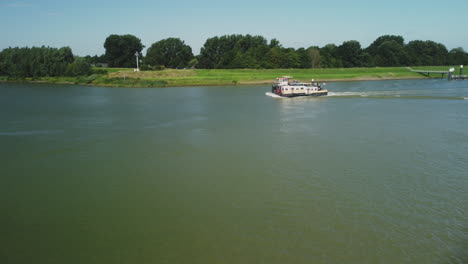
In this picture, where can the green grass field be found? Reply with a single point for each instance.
(252, 76)
(126, 77)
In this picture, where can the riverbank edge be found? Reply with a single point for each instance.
(135, 84)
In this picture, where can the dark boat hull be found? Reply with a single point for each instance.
(315, 94)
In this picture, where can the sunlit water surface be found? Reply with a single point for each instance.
(377, 172)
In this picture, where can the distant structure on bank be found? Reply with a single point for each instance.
(101, 64)
(450, 73)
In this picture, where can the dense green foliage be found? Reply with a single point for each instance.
(120, 50)
(225, 52)
(41, 62)
(170, 52)
(350, 53)
(239, 51)
(96, 59)
(457, 56)
(374, 46)
(79, 67)
(426, 53)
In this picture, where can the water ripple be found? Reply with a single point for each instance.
(31, 132)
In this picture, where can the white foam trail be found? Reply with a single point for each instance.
(32, 132)
(273, 95)
(366, 94)
(346, 94)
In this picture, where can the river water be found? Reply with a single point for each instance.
(377, 172)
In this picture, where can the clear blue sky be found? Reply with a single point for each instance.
(84, 24)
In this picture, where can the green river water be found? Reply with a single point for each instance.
(377, 172)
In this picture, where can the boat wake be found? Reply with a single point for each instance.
(390, 95)
(273, 95)
(379, 95)
(363, 94)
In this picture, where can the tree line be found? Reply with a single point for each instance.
(256, 52)
(41, 62)
(228, 52)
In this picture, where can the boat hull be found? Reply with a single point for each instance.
(314, 94)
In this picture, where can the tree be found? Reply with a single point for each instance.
(314, 56)
(235, 51)
(426, 53)
(391, 53)
(304, 58)
(291, 59)
(170, 52)
(35, 62)
(274, 43)
(193, 63)
(120, 50)
(79, 67)
(218, 52)
(96, 59)
(373, 48)
(350, 53)
(329, 57)
(457, 56)
(275, 57)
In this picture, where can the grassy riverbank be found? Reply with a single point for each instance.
(252, 76)
(122, 77)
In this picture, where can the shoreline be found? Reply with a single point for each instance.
(245, 83)
(351, 80)
(127, 78)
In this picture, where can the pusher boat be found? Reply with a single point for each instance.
(286, 88)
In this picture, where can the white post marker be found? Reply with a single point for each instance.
(137, 54)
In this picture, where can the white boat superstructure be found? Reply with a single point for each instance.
(287, 88)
